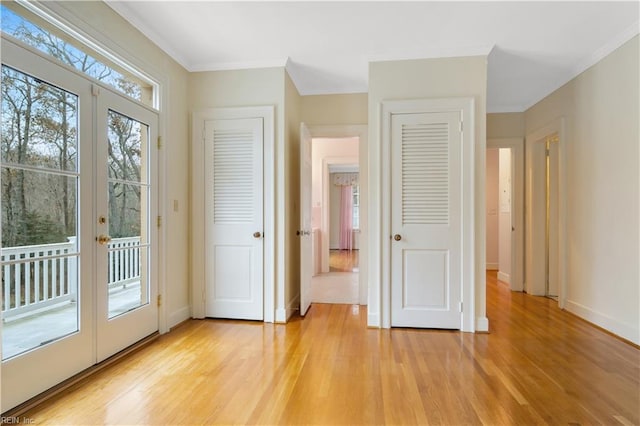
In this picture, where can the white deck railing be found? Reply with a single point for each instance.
(39, 277)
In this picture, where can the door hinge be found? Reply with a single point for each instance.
(159, 221)
(461, 126)
(159, 142)
(460, 306)
(159, 300)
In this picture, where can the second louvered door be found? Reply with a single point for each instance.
(234, 218)
(426, 244)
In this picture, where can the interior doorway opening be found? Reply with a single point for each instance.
(499, 216)
(335, 220)
(505, 227)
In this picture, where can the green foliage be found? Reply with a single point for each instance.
(34, 228)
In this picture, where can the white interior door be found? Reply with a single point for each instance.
(126, 231)
(426, 220)
(306, 249)
(234, 218)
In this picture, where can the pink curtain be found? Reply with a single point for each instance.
(346, 217)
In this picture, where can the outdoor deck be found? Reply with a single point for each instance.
(39, 302)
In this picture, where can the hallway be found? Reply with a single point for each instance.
(537, 365)
(340, 285)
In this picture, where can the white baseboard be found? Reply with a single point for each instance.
(373, 320)
(493, 266)
(626, 331)
(482, 324)
(506, 278)
(292, 307)
(176, 317)
(281, 315)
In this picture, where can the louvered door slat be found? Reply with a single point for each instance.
(425, 174)
(233, 179)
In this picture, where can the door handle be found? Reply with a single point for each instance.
(397, 237)
(103, 239)
(257, 234)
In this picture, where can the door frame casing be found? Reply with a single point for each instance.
(517, 207)
(198, 223)
(466, 108)
(555, 127)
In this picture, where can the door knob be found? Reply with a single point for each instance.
(103, 239)
(257, 234)
(397, 237)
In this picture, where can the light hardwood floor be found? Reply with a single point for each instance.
(343, 260)
(538, 365)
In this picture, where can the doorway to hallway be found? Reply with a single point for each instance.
(333, 199)
(340, 284)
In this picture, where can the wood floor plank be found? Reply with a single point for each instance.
(538, 365)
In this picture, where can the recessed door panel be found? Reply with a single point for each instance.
(232, 269)
(430, 269)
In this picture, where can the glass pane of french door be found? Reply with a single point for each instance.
(128, 183)
(40, 181)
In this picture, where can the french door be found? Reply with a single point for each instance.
(78, 241)
(126, 195)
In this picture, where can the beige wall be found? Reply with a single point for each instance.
(100, 22)
(601, 112)
(428, 78)
(255, 87)
(505, 125)
(334, 109)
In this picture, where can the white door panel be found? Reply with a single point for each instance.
(305, 233)
(234, 221)
(426, 220)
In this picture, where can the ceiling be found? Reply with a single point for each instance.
(533, 47)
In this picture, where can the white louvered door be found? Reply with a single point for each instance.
(234, 218)
(426, 223)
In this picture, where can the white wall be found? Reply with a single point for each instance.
(504, 215)
(492, 208)
(601, 110)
